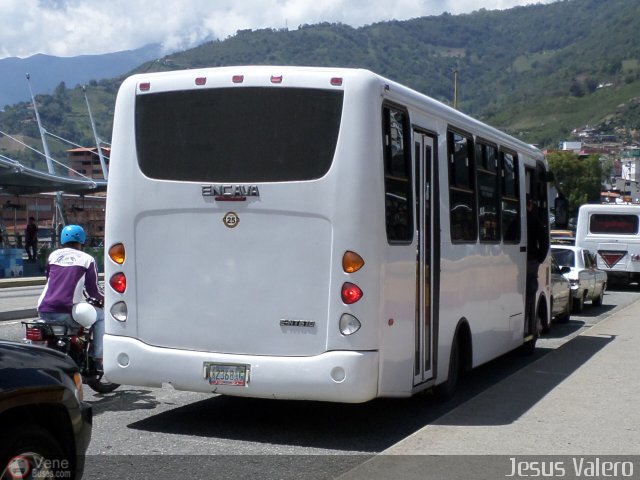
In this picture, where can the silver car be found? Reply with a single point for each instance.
(588, 283)
(561, 295)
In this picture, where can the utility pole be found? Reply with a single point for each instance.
(455, 89)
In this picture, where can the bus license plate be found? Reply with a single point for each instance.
(227, 374)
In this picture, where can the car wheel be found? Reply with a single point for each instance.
(566, 315)
(529, 347)
(598, 301)
(578, 304)
(29, 450)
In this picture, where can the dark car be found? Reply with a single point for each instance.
(45, 427)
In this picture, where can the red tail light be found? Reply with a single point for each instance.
(34, 334)
(118, 282)
(351, 293)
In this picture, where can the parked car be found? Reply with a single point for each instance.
(588, 283)
(561, 294)
(46, 427)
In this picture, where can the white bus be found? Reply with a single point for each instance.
(312, 233)
(612, 231)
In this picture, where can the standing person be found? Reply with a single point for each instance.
(70, 273)
(537, 250)
(31, 239)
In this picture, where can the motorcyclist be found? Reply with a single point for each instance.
(70, 274)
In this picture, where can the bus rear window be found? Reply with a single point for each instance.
(613, 224)
(238, 134)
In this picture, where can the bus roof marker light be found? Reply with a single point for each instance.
(237, 78)
(351, 262)
(336, 81)
(201, 80)
(276, 78)
(145, 86)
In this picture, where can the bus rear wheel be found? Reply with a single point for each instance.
(445, 391)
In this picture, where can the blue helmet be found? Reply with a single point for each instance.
(72, 233)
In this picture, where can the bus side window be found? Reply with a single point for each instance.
(462, 205)
(487, 180)
(510, 201)
(397, 176)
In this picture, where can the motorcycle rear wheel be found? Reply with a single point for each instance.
(100, 385)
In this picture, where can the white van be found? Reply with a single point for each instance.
(613, 232)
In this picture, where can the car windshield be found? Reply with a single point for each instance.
(564, 258)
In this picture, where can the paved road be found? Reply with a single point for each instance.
(277, 439)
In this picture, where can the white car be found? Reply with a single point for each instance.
(561, 294)
(588, 283)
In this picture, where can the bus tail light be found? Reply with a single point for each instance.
(351, 293)
(201, 80)
(349, 324)
(118, 282)
(351, 262)
(119, 311)
(117, 253)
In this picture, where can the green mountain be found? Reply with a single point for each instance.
(536, 72)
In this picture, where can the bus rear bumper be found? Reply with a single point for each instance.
(336, 376)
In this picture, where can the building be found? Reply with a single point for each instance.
(85, 210)
(85, 162)
(15, 211)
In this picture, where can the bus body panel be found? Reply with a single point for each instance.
(235, 287)
(339, 376)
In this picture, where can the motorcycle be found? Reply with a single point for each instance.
(74, 342)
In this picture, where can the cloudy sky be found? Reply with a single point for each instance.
(79, 27)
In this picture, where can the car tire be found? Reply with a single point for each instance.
(29, 445)
(578, 304)
(529, 347)
(566, 315)
(598, 301)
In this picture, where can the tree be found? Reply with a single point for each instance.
(580, 180)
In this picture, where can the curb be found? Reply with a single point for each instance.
(22, 282)
(18, 314)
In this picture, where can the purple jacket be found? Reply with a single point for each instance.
(69, 273)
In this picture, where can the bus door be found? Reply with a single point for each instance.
(424, 146)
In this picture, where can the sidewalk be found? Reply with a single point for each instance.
(577, 401)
